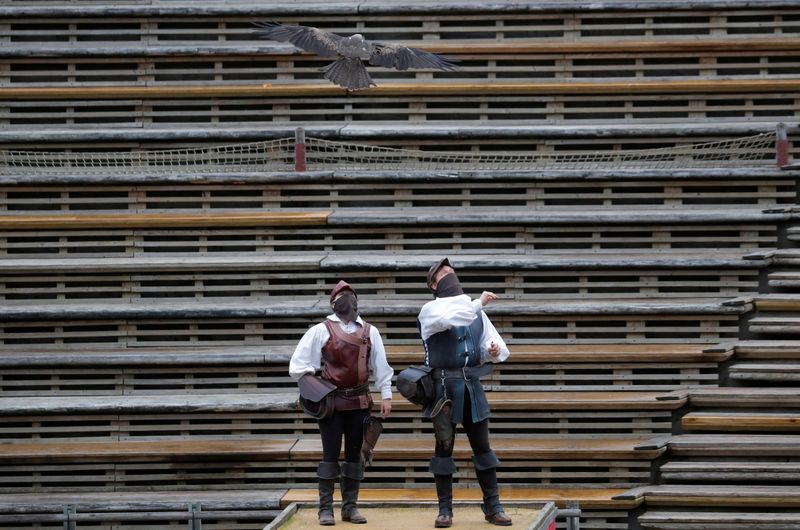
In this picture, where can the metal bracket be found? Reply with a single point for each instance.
(195, 522)
(70, 521)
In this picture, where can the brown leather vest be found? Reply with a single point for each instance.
(346, 356)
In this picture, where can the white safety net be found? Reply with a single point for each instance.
(320, 155)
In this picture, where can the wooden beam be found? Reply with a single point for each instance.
(161, 220)
(733, 422)
(459, 48)
(146, 451)
(401, 89)
(588, 498)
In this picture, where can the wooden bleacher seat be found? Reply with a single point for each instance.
(285, 401)
(777, 302)
(720, 471)
(781, 280)
(161, 220)
(181, 369)
(401, 89)
(682, 520)
(397, 354)
(395, 133)
(515, 448)
(767, 350)
(228, 508)
(774, 372)
(393, 216)
(776, 324)
(146, 451)
(766, 361)
(729, 445)
(737, 397)
(450, 47)
(574, 462)
(765, 421)
(715, 495)
(255, 413)
(167, 356)
(583, 275)
(312, 307)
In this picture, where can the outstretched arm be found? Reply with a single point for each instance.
(445, 313)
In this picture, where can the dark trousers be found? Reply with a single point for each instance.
(348, 424)
(477, 433)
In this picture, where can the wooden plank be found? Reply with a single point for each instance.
(456, 48)
(773, 372)
(619, 46)
(398, 89)
(768, 349)
(163, 220)
(745, 397)
(506, 448)
(719, 495)
(735, 445)
(594, 498)
(262, 402)
(135, 451)
(201, 356)
(741, 422)
(726, 471)
(692, 520)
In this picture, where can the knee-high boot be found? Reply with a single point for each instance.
(486, 470)
(443, 468)
(352, 475)
(327, 472)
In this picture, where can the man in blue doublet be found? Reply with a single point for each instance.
(461, 343)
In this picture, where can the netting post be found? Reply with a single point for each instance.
(781, 146)
(299, 149)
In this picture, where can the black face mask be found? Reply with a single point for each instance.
(448, 286)
(346, 307)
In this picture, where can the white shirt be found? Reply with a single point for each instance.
(307, 355)
(453, 311)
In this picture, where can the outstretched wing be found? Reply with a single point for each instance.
(307, 38)
(404, 57)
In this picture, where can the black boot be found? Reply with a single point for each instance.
(443, 468)
(444, 492)
(492, 509)
(486, 470)
(352, 474)
(327, 472)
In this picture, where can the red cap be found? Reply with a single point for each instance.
(342, 286)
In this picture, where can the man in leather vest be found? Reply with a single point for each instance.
(344, 349)
(460, 345)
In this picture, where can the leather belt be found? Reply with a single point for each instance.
(466, 372)
(359, 390)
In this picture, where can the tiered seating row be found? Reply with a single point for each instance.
(762, 187)
(162, 371)
(546, 104)
(158, 25)
(218, 510)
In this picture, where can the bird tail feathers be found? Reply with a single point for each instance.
(349, 73)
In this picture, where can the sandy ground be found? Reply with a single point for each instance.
(411, 518)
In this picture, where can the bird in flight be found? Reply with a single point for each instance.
(348, 70)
